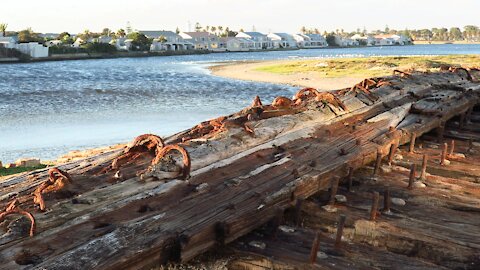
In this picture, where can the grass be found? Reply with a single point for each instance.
(369, 66)
(10, 171)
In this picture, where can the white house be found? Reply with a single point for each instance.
(282, 40)
(202, 40)
(235, 44)
(367, 40)
(346, 42)
(54, 42)
(261, 41)
(310, 41)
(167, 41)
(393, 39)
(122, 43)
(33, 49)
(78, 42)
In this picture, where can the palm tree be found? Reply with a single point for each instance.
(3, 28)
(121, 33)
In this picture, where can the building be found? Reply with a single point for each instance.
(54, 42)
(202, 40)
(346, 42)
(364, 40)
(310, 41)
(392, 40)
(282, 40)
(32, 49)
(122, 43)
(236, 44)
(261, 41)
(167, 41)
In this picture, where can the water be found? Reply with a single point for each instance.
(50, 108)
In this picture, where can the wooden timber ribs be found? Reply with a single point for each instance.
(286, 152)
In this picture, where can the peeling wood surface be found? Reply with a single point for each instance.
(114, 219)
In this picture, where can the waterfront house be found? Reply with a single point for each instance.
(282, 40)
(78, 42)
(235, 44)
(364, 40)
(202, 40)
(122, 43)
(54, 42)
(310, 41)
(32, 49)
(167, 41)
(392, 40)
(346, 42)
(260, 41)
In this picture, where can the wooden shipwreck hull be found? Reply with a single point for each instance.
(120, 210)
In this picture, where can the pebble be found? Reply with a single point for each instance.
(386, 169)
(258, 244)
(419, 184)
(398, 201)
(446, 162)
(398, 157)
(341, 198)
(329, 208)
(477, 144)
(201, 187)
(286, 229)
(321, 255)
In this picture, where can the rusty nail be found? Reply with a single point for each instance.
(377, 163)
(298, 210)
(314, 249)
(374, 209)
(391, 154)
(443, 158)
(340, 226)
(350, 178)
(423, 173)
(412, 176)
(413, 137)
(333, 189)
(452, 147)
(386, 200)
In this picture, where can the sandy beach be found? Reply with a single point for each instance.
(246, 71)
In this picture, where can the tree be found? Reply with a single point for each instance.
(241, 30)
(3, 28)
(213, 29)
(121, 33)
(303, 30)
(455, 33)
(331, 40)
(86, 35)
(28, 35)
(198, 27)
(162, 39)
(387, 29)
(139, 41)
(106, 32)
(177, 30)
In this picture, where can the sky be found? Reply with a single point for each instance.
(55, 16)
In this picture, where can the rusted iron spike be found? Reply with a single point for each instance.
(391, 154)
(186, 158)
(411, 178)
(374, 209)
(14, 208)
(443, 157)
(413, 137)
(333, 189)
(378, 162)
(314, 249)
(298, 211)
(452, 148)
(386, 201)
(423, 173)
(56, 177)
(350, 178)
(306, 93)
(327, 97)
(340, 226)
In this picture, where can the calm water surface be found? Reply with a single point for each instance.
(50, 108)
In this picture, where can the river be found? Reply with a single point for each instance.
(50, 108)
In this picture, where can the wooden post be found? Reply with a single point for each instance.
(443, 158)
(440, 131)
(452, 148)
(412, 176)
(413, 137)
(333, 189)
(391, 154)
(374, 209)
(386, 200)
(423, 173)
(340, 226)
(350, 178)
(298, 211)
(378, 162)
(314, 249)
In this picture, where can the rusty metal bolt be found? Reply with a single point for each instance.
(452, 148)
(423, 173)
(57, 179)
(391, 154)
(378, 162)
(186, 158)
(374, 209)
(412, 176)
(340, 226)
(386, 201)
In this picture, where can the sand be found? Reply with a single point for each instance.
(246, 71)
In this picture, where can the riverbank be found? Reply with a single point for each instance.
(329, 73)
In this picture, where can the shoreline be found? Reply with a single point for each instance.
(245, 71)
